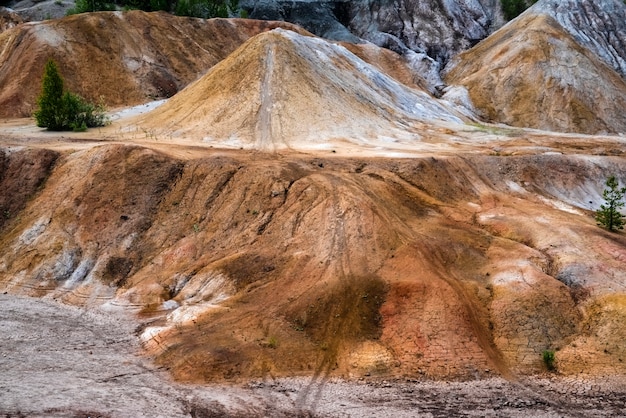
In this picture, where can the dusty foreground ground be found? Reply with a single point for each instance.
(61, 361)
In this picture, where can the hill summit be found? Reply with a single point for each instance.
(282, 89)
(533, 73)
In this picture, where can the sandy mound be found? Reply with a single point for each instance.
(122, 58)
(282, 89)
(532, 73)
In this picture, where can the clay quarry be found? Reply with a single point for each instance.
(275, 223)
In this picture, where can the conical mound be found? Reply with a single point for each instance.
(533, 73)
(282, 89)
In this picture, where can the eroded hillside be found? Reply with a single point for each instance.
(270, 265)
(533, 73)
(309, 208)
(119, 58)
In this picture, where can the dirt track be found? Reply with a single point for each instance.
(65, 361)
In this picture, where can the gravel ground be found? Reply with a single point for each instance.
(63, 361)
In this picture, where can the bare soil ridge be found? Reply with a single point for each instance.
(328, 258)
(438, 267)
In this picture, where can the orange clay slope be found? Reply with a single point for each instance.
(277, 265)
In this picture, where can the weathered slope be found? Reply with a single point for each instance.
(22, 173)
(599, 26)
(532, 73)
(122, 58)
(279, 265)
(282, 89)
(440, 28)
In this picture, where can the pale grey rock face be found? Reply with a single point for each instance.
(427, 33)
(599, 26)
(36, 10)
(440, 28)
(319, 17)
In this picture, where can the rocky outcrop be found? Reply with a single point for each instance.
(438, 27)
(599, 26)
(426, 33)
(38, 10)
(317, 16)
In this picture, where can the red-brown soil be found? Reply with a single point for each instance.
(282, 264)
(64, 361)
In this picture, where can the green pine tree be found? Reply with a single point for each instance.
(64, 111)
(609, 215)
(50, 114)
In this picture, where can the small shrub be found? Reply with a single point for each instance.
(272, 342)
(548, 359)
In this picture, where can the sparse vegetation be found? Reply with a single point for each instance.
(272, 342)
(496, 130)
(548, 359)
(194, 8)
(609, 215)
(513, 8)
(84, 6)
(61, 110)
